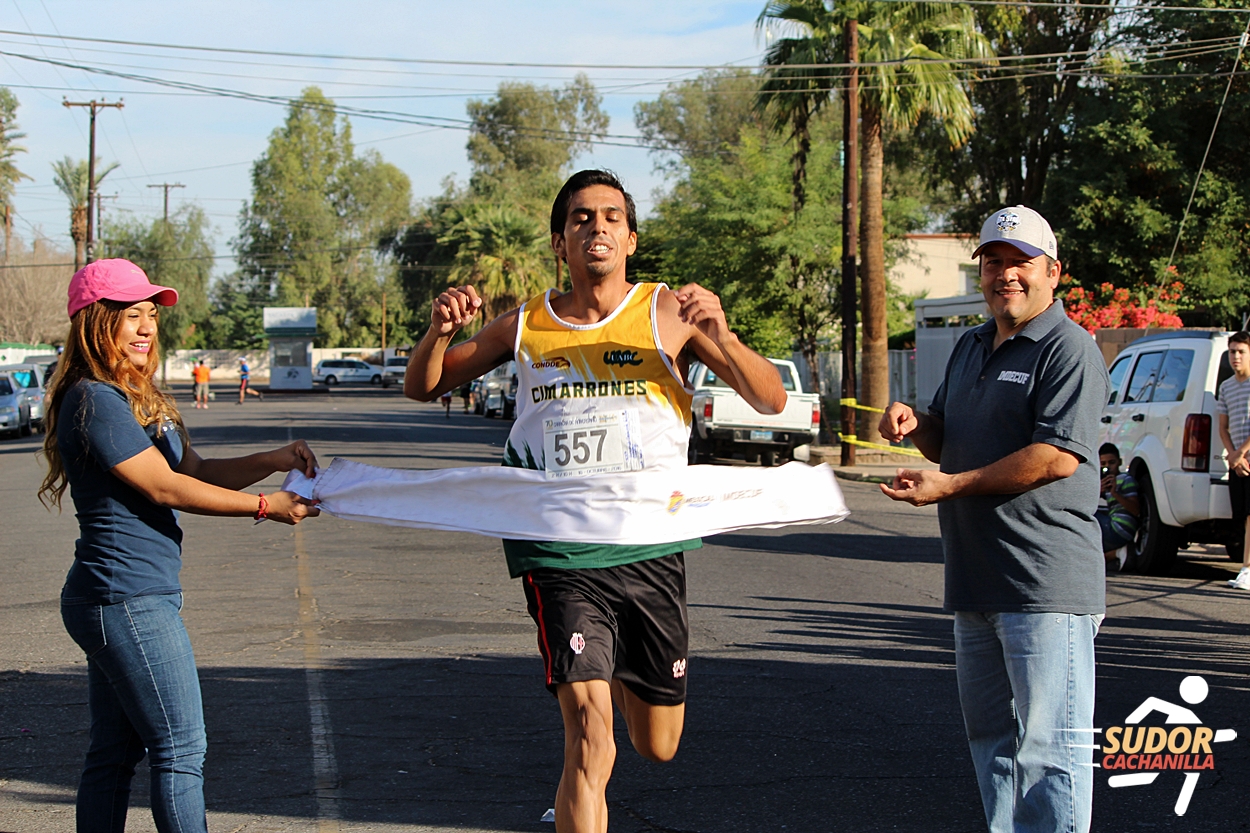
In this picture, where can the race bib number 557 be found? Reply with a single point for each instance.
(597, 443)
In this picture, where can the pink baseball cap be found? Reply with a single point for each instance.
(115, 279)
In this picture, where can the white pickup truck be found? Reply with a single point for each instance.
(725, 425)
(1161, 415)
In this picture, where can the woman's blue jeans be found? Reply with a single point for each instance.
(1026, 684)
(144, 697)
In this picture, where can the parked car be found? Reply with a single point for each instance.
(347, 371)
(393, 371)
(498, 392)
(1161, 415)
(14, 408)
(725, 425)
(30, 377)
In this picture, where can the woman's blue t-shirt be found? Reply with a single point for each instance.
(129, 546)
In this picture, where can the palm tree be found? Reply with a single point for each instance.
(71, 178)
(792, 93)
(9, 174)
(503, 252)
(907, 50)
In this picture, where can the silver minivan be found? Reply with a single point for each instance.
(346, 371)
(1161, 416)
(30, 378)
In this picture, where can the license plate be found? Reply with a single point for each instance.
(761, 436)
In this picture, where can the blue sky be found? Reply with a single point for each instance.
(209, 142)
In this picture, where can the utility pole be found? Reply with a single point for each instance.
(167, 186)
(95, 107)
(850, 233)
(99, 211)
(384, 327)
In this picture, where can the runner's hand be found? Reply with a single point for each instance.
(897, 422)
(453, 309)
(290, 508)
(918, 487)
(701, 308)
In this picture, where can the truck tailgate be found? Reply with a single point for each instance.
(730, 410)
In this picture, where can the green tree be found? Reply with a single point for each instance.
(728, 223)
(504, 252)
(1022, 114)
(177, 253)
(523, 139)
(10, 135)
(1135, 142)
(311, 235)
(700, 117)
(523, 143)
(907, 49)
(70, 178)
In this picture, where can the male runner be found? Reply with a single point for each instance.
(601, 390)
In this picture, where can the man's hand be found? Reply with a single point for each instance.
(1241, 465)
(701, 308)
(1108, 484)
(897, 422)
(918, 487)
(453, 309)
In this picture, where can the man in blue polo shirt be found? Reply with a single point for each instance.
(1014, 426)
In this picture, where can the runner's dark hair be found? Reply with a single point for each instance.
(585, 179)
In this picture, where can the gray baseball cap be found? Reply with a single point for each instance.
(1022, 227)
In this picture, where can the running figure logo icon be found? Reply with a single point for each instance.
(679, 669)
(1146, 751)
(578, 643)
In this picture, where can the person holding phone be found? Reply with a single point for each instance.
(1120, 509)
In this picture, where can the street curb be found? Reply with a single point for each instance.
(862, 476)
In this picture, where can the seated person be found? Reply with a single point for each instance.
(1119, 518)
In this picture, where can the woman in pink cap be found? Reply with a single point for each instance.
(120, 446)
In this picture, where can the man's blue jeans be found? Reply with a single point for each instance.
(1026, 684)
(144, 696)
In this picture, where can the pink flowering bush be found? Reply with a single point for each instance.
(1109, 306)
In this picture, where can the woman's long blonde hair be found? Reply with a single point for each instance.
(92, 353)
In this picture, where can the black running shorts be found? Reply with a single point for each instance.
(626, 623)
(1239, 496)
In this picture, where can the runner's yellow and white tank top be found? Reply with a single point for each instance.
(595, 399)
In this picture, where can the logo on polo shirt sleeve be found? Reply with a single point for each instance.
(1016, 376)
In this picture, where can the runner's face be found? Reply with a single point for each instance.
(596, 237)
(137, 333)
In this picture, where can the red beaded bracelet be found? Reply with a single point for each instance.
(262, 511)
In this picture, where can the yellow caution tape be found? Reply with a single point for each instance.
(854, 403)
(851, 438)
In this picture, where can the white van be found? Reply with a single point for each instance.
(1161, 415)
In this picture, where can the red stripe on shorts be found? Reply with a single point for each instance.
(542, 628)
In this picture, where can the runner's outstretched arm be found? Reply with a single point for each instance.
(433, 368)
(718, 347)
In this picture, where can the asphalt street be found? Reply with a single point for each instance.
(367, 678)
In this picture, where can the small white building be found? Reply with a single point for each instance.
(937, 266)
(939, 324)
(291, 331)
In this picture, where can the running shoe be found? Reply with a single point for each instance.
(1242, 582)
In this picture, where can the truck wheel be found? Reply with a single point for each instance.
(751, 456)
(1157, 543)
(509, 410)
(768, 459)
(699, 451)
